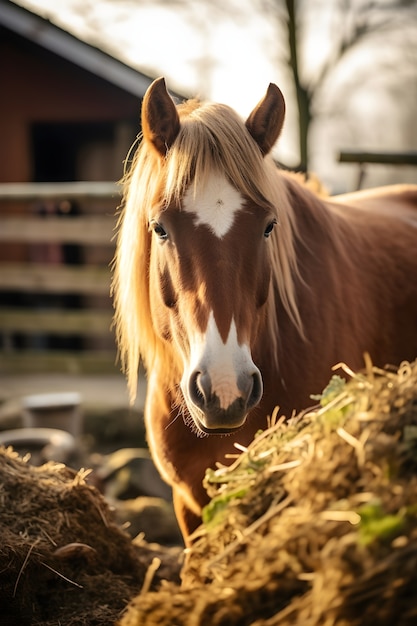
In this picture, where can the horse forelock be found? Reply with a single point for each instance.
(212, 138)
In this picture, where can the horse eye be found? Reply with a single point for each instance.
(159, 230)
(269, 228)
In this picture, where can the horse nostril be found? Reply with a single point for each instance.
(199, 388)
(257, 390)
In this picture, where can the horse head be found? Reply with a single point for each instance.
(209, 263)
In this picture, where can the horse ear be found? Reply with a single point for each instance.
(266, 120)
(160, 121)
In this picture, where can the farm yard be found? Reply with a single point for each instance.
(313, 523)
(309, 517)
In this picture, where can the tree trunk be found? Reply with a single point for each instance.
(302, 94)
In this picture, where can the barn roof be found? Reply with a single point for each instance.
(44, 33)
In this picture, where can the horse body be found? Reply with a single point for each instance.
(241, 289)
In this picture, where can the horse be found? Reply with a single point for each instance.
(239, 289)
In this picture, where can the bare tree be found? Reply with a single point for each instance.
(353, 21)
(346, 26)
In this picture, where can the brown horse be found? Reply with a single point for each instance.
(240, 289)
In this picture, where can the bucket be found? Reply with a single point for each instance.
(53, 410)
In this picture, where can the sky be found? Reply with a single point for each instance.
(229, 52)
(197, 55)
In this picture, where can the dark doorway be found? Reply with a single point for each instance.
(56, 147)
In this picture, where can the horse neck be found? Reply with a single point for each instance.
(318, 233)
(305, 223)
(313, 220)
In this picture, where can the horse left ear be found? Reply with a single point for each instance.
(266, 120)
(160, 121)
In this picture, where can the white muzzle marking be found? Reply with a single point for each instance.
(222, 362)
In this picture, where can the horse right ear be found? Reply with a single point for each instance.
(160, 121)
(266, 120)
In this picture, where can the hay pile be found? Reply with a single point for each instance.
(63, 560)
(314, 524)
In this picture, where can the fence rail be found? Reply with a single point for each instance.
(362, 158)
(55, 321)
(79, 190)
(90, 230)
(86, 280)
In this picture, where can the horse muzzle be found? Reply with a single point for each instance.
(222, 410)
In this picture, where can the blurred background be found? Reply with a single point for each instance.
(72, 75)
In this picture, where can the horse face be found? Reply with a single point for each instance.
(210, 263)
(209, 269)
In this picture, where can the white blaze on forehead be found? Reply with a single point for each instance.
(223, 362)
(214, 205)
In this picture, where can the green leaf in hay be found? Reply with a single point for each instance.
(216, 477)
(376, 524)
(333, 389)
(213, 512)
(410, 433)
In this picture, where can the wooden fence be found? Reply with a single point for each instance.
(37, 293)
(363, 158)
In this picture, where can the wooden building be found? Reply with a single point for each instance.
(68, 114)
(68, 111)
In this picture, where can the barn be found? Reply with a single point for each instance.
(68, 114)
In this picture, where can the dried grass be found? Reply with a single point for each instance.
(63, 560)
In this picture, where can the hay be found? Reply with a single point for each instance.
(63, 561)
(315, 523)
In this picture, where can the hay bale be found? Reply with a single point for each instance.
(314, 523)
(63, 560)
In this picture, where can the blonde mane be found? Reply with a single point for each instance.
(211, 138)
